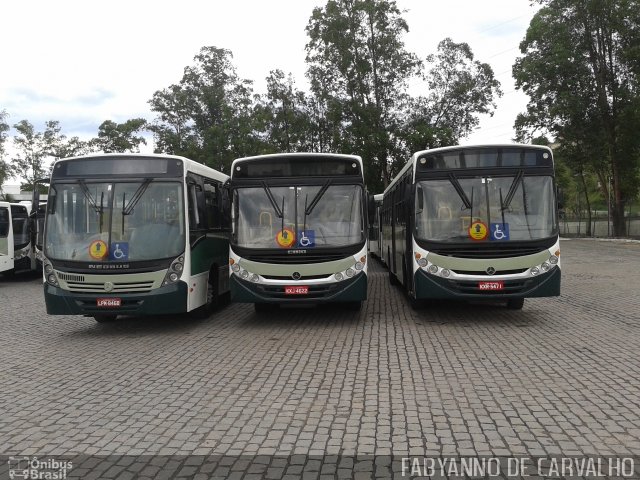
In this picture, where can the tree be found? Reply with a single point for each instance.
(580, 69)
(287, 121)
(33, 150)
(119, 137)
(4, 136)
(460, 88)
(209, 115)
(359, 71)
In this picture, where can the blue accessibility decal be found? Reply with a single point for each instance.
(499, 231)
(306, 238)
(119, 251)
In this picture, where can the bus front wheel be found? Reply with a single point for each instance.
(515, 303)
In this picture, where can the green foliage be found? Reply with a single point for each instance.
(209, 115)
(580, 69)
(4, 128)
(34, 150)
(359, 70)
(115, 137)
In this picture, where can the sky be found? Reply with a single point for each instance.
(81, 62)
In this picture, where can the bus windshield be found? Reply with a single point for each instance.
(309, 215)
(489, 209)
(115, 222)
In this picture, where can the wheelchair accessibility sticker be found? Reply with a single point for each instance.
(119, 251)
(98, 250)
(499, 231)
(285, 238)
(307, 238)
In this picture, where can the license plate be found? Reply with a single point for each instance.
(297, 290)
(108, 302)
(491, 285)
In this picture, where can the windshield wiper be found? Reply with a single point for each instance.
(136, 197)
(90, 199)
(512, 190)
(276, 208)
(456, 184)
(316, 199)
(98, 209)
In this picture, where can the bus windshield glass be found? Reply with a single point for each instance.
(486, 209)
(115, 222)
(303, 216)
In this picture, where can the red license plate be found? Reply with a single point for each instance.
(108, 302)
(491, 285)
(297, 290)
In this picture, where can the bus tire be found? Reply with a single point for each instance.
(105, 318)
(515, 303)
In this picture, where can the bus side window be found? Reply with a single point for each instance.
(196, 202)
(212, 205)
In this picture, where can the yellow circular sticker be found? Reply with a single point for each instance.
(285, 238)
(478, 231)
(98, 249)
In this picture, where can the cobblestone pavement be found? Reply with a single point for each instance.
(560, 377)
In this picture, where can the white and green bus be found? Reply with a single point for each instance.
(6, 238)
(299, 230)
(474, 223)
(135, 234)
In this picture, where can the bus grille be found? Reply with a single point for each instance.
(69, 277)
(497, 272)
(122, 287)
(501, 251)
(289, 259)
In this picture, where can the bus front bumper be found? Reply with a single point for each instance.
(433, 287)
(167, 299)
(350, 290)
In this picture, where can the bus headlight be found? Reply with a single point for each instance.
(48, 268)
(433, 269)
(244, 274)
(349, 272)
(235, 268)
(553, 260)
(175, 270)
(52, 280)
(422, 262)
(255, 278)
(445, 273)
(338, 276)
(535, 271)
(545, 267)
(359, 265)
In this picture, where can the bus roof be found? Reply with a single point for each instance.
(191, 165)
(412, 161)
(299, 155)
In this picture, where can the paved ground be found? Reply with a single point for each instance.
(560, 377)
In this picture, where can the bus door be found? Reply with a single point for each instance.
(37, 216)
(6, 238)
